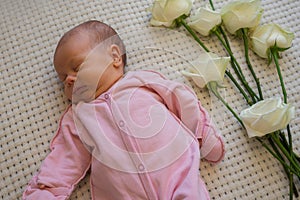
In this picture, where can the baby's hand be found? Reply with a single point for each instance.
(212, 145)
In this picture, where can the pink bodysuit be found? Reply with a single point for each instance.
(140, 139)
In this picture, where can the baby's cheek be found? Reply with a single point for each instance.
(91, 74)
(68, 92)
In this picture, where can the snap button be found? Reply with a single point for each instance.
(106, 96)
(121, 123)
(141, 167)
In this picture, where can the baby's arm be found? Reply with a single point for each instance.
(63, 168)
(183, 102)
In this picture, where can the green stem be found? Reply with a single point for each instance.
(246, 46)
(285, 152)
(228, 48)
(230, 54)
(194, 35)
(224, 36)
(293, 189)
(284, 141)
(292, 166)
(211, 4)
(213, 87)
(291, 186)
(290, 139)
(238, 69)
(288, 145)
(220, 27)
(228, 73)
(274, 52)
(277, 157)
(181, 21)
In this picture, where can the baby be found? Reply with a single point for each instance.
(139, 133)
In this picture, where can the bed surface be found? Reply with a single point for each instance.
(32, 98)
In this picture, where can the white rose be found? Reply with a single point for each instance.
(267, 116)
(205, 20)
(269, 35)
(164, 12)
(208, 67)
(241, 14)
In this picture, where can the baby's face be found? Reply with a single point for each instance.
(81, 68)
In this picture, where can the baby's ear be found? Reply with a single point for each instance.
(116, 55)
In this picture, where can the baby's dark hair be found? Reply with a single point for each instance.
(98, 32)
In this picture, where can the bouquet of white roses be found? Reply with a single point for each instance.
(264, 119)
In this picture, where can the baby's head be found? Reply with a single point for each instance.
(89, 59)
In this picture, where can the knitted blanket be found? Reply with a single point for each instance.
(32, 98)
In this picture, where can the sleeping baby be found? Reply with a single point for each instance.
(140, 134)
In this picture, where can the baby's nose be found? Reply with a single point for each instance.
(70, 80)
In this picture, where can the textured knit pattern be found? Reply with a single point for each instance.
(32, 98)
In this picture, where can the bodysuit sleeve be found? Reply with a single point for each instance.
(183, 102)
(63, 168)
